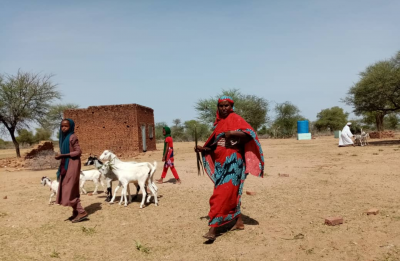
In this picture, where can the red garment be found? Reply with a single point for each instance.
(169, 159)
(165, 169)
(169, 141)
(253, 153)
(227, 166)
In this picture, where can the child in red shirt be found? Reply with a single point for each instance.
(168, 156)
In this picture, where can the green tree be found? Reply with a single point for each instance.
(25, 137)
(159, 130)
(252, 108)
(334, 119)
(285, 123)
(377, 91)
(25, 98)
(203, 130)
(177, 130)
(54, 116)
(392, 121)
(3, 144)
(42, 134)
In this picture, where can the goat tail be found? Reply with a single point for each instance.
(150, 180)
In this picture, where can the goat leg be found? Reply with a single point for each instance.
(137, 192)
(51, 195)
(115, 193)
(109, 190)
(143, 194)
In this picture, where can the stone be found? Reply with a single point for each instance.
(372, 211)
(251, 193)
(283, 175)
(5, 197)
(333, 221)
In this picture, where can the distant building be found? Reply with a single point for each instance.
(126, 129)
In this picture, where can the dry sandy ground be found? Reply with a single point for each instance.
(324, 181)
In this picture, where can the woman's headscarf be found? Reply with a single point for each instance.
(64, 143)
(167, 134)
(221, 99)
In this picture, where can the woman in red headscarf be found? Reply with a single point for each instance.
(230, 153)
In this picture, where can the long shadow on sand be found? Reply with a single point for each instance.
(384, 143)
(226, 228)
(92, 208)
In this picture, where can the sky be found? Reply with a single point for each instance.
(169, 54)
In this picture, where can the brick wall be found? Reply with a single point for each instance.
(113, 127)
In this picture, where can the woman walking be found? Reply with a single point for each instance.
(69, 171)
(230, 153)
(168, 156)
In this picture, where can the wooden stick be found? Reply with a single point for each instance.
(199, 162)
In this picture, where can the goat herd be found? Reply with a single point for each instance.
(362, 139)
(141, 174)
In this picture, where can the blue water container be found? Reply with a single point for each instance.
(302, 127)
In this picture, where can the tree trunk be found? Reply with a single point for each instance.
(379, 120)
(16, 144)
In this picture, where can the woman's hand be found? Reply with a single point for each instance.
(201, 149)
(236, 137)
(60, 156)
(163, 159)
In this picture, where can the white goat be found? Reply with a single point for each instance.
(92, 160)
(52, 184)
(140, 173)
(364, 137)
(358, 140)
(91, 175)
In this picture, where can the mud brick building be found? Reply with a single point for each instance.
(126, 129)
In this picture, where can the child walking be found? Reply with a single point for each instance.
(69, 171)
(168, 156)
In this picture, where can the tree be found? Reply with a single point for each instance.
(334, 119)
(286, 119)
(392, 121)
(377, 91)
(252, 108)
(54, 116)
(159, 130)
(203, 130)
(42, 134)
(177, 130)
(25, 98)
(25, 137)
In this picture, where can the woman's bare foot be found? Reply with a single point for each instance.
(239, 224)
(210, 235)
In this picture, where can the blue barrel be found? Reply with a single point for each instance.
(302, 127)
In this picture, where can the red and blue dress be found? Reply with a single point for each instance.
(228, 166)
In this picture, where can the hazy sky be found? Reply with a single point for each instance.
(169, 54)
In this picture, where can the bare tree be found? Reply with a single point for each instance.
(25, 98)
(54, 116)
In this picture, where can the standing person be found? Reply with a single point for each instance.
(230, 153)
(345, 137)
(69, 171)
(168, 156)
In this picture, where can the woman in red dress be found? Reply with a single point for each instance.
(168, 156)
(230, 153)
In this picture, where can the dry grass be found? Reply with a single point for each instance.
(324, 181)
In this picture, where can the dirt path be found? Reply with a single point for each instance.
(323, 181)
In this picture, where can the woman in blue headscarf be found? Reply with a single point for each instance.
(69, 171)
